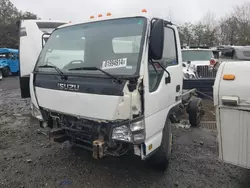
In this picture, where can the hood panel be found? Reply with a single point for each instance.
(197, 63)
(94, 98)
(101, 86)
(91, 106)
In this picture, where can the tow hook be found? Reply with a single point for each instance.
(98, 149)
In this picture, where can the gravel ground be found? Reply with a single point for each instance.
(29, 160)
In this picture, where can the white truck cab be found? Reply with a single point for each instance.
(112, 84)
(232, 104)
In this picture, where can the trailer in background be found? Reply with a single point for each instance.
(232, 104)
(31, 39)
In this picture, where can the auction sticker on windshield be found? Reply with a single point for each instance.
(115, 63)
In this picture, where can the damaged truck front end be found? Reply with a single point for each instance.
(102, 137)
(98, 109)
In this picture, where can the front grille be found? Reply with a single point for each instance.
(80, 128)
(204, 72)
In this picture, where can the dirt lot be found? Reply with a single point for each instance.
(28, 160)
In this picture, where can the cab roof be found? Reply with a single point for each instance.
(96, 18)
(108, 17)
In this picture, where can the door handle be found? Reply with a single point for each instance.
(178, 88)
(167, 80)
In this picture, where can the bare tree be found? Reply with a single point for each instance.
(242, 15)
(9, 14)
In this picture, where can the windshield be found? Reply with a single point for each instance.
(113, 45)
(197, 55)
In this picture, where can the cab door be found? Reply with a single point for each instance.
(161, 95)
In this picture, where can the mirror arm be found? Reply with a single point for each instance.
(152, 63)
(163, 69)
(43, 36)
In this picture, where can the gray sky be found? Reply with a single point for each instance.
(75, 10)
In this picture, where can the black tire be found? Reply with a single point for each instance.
(195, 111)
(160, 159)
(1, 75)
(6, 72)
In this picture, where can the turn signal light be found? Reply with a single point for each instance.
(228, 77)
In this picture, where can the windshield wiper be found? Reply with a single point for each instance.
(96, 68)
(56, 68)
(51, 66)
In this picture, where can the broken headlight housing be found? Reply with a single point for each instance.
(36, 112)
(134, 132)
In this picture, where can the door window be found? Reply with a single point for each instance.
(169, 58)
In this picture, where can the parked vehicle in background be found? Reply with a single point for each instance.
(232, 104)
(234, 53)
(9, 63)
(198, 63)
(33, 34)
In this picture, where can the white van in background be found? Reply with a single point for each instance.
(31, 40)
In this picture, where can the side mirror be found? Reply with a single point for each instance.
(156, 39)
(45, 37)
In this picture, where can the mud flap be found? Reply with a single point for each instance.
(24, 86)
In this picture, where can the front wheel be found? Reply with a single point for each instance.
(6, 72)
(162, 156)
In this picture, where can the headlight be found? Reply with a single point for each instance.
(36, 112)
(134, 133)
(189, 76)
(122, 133)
